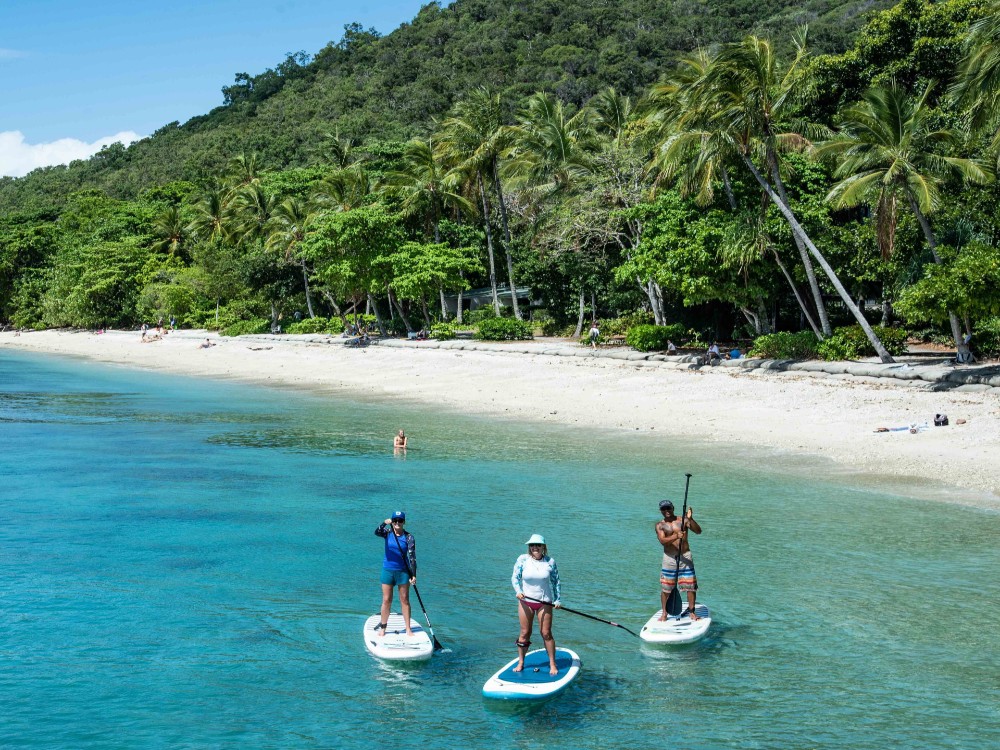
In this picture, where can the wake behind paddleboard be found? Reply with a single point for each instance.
(534, 682)
(396, 645)
(677, 629)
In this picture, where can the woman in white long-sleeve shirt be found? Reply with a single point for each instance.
(536, 577)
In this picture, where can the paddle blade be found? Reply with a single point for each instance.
(674, 603)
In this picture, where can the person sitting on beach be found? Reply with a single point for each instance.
(713, 353)
(206, 344)
(400, 440)
(671, 349)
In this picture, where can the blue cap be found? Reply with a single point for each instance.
(400, 515)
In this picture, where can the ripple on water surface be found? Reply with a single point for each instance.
(190, 563)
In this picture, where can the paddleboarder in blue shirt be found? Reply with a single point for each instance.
(536, 583)
(399, 567)
(677, 568)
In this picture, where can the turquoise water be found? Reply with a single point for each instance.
(189, 563)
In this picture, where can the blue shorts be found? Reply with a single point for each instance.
(395, 577)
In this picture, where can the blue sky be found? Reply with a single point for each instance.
(74, 74)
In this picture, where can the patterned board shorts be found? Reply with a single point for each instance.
(681, 576)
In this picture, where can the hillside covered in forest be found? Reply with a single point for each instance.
(388, 88)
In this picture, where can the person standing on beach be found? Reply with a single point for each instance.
(536, 584)
(677, 569)
(399, 568)
(595, 333)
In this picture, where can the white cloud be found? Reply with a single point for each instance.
(10, 54)
(17, 157)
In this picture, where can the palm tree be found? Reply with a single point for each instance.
(977, 86)
(252, 208)
(888, 150)
(692, 150)
(172, 232)
(344, 189)
(285, 231)
(211, 220)
(746, 95)
(425, 185)
(243, 170)
(475, 138)
(551, 148)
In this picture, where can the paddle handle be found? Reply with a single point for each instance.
(582, 614)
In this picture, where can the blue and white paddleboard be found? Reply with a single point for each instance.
(677, 629)
(396, 645)
(534, 682)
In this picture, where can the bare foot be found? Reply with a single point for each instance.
(663, 617)
(553, 671)
(409, 632)
(519, 667)
(692, 615)
(380, 631)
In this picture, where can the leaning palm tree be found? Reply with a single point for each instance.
(285, 231)
(474, 139)
(746, 94)
(888, 150)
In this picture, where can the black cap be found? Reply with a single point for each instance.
(664, 504)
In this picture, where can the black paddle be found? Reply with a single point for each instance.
(674, 605)
(437, 644)
(584, 614)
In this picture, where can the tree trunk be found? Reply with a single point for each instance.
(798, 295)
(423, 306)
(378, 316)
(654, 304)
(798, 231)
(752, 318)
(824, 320)
(579, 320)
(305, 281)
(444, 307)
(593, 306)
(962, 353)
(336, 308)
(507, 243)
(399, 309)
(489, 247)
(729, 189)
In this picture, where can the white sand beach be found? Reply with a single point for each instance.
(828, 417)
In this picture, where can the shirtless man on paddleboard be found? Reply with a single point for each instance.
(672, 534)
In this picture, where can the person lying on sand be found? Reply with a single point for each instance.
(206, 344)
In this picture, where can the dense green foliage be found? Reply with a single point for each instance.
(785, 345)
(504, 329)
(647, 338)
(740, 191)
(850, 342)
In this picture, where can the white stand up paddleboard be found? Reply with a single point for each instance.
(677, 629)
(396, 645)
(534, 682)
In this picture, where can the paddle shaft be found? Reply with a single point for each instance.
(673, 601)
(583, 614)
(437, 644)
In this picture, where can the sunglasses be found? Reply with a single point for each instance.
(399, 520)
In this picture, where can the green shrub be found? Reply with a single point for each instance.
(986, 338)
(647, 338)
(242, 327)
(364, 321)
(315, 325)
(850, 342)
(443, 331)
(785, 345)
(619, 326)
(504, 329)
(486, 312)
